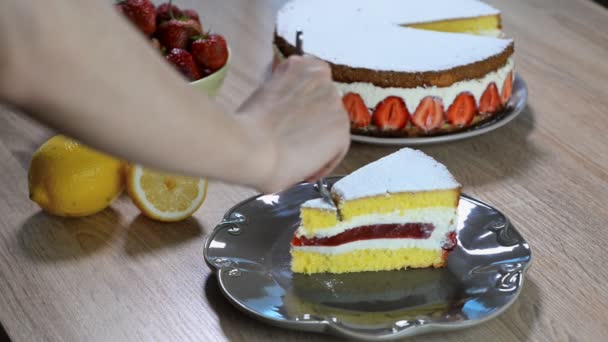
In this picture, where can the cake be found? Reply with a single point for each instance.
(395, 213)
(406, 67)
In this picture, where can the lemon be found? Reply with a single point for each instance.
(67, 178)
(163, 196)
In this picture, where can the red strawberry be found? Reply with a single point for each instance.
(463, 110)
(507, 89)
(210, 51)
(141, 13)
(176, 33)
(391, 114)
(163, 12)
(192, 14)
(490, 100)
(429, 114)
(206, 72)
(357, 110)
(184, 62)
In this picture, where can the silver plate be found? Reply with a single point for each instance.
(249, 251)
(514, 107)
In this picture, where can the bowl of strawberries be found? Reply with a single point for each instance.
(202, 57)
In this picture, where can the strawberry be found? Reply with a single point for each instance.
(184, 62)
(192, 14)
(391, 114)
(163, 12)
(357, 110)
(206, 72)
(141, 13)
(507, 89)
(490, 100)
(176, 33)
(463, 110)
(210, 51)
(429, 114)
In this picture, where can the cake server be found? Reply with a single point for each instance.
(325, 193)
(299, 47)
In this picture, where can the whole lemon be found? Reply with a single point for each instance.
(67, 178)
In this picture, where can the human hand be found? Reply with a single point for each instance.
(300, 111)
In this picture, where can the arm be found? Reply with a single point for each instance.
(78, 67)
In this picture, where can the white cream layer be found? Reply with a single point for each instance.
(443, 219)
(318, 203)
(372, 94)
(435, 242)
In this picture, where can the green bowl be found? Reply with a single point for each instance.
(212, 83)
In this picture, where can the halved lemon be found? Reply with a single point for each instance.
(165, 197)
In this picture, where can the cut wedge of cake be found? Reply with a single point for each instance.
(398, 212)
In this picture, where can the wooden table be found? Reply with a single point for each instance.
(117, 276)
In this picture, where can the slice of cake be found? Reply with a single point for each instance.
(406, 67)
(398, 212)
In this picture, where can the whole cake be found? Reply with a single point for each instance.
(406, 67)
(398, 212)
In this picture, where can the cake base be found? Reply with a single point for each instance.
(367, 260)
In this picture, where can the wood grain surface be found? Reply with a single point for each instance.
(117, 276)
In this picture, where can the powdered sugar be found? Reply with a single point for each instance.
(366, 34)
(406, 170)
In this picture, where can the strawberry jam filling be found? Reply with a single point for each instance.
(378, 231)
(450, 243)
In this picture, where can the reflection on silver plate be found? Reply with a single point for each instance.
(514, 107)
(249, 251)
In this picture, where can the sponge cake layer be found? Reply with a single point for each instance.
(489, 25)
(366, 260)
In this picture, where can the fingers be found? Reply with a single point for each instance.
(343, 143)
(301, 108)
(328, 168)
(304, 68)
(298, 62)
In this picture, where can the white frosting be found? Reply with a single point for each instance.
(372, 94)
(442, 218)
(318, 203)
(406, 170)
(356, 32)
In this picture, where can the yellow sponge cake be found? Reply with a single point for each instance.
(395, 213)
